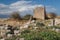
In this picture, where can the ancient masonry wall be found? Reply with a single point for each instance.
(40, 13)
(57, 21)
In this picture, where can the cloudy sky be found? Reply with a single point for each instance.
(27, 6)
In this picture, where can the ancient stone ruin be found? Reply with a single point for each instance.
(40, 13)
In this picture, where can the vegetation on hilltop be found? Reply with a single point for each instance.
(16, 16)
(27, 17)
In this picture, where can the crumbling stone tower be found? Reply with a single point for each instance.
(40, 13)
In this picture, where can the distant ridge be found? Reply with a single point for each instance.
(4, 16)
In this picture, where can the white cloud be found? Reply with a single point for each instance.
(53, 9)
(2, 5)
(22, 6)
(50, 9)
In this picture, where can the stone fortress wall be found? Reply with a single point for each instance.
(40, 13)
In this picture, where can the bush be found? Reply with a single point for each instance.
(25, 31)
(49, 35)
(12, 38)
(16, 16)
(40, 24)
(43, 35)
(27, 17)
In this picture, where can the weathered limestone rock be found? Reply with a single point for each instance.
(57, 21)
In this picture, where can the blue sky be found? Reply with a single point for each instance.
(12, 1)
(27, 6)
